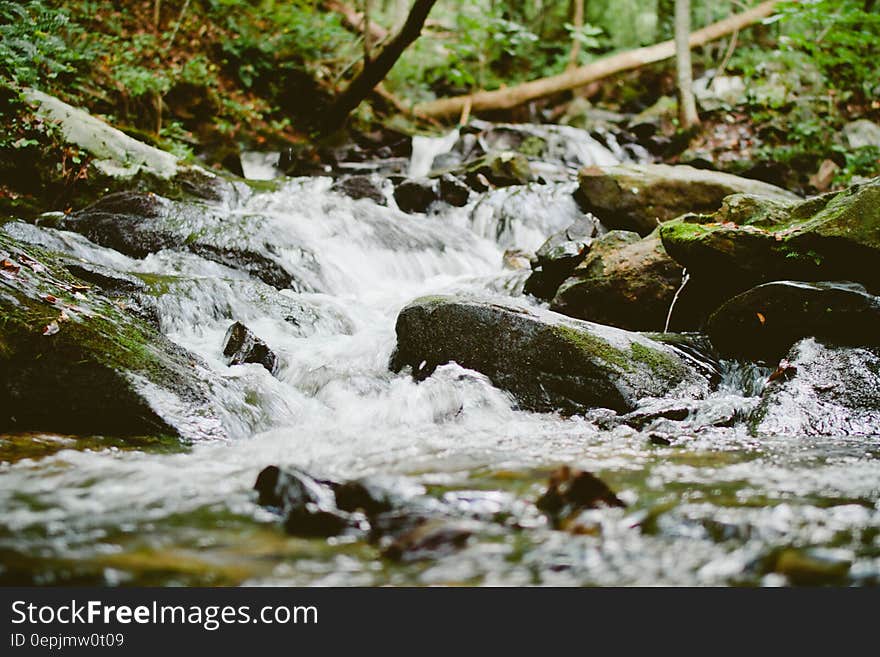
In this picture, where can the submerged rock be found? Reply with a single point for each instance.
(764, 322)
(430, 540)
(624, 281)
(358, 187)
(139, 224)
(826, 391)
(242, 346)
(73, 360)
(571, 491)
(308, 505)
(639, 197)
(559, 255)
(752, 241)
(546, 360)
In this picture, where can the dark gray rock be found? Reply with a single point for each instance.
(242, 346)
(764, 322)
(416, 195)
(358, 187)
(546, 360)
(308, 506)
(453, 191)
(138, 224)
(825, 391)
(559, 255)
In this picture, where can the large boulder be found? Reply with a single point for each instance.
(764, 322)
(72, 360)
(625, 281)
(823, 391)
(639, 196)
(138, 224)
(546, 360)
(752, 241)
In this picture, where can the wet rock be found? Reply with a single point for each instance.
(502, 169)
(752, 241)
(109, 280)
(430, 540)
(764, 322)
(415, 194)
(366, 496)
(358, 187)
(638, 197)
(546, 360)
(73, 361)
(242, 346)
(827, 391)
(138, 224)
(453, 191)
(571, 491)
(559, 255)
(624, 281)
(308, 506)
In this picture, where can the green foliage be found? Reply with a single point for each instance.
(840, 37)
(35, 43)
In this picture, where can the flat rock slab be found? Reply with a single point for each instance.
(640, 196)
(545, 360)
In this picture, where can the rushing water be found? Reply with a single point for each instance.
(714, 506)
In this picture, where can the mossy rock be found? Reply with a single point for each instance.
(831, 237)
(546, 360)
(75, 361)
(638, 197)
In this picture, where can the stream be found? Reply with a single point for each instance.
(714, 506)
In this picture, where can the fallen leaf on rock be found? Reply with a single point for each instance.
(785, 370)
(51, 329)
(761, 319)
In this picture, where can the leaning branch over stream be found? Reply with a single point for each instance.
(602, 68)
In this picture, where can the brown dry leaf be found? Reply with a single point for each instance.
(785, 370)
(8, 265)
(761, 319)
(51, 329)
(49, 298)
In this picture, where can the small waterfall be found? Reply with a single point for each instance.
(425, 149)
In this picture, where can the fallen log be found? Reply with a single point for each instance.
(523, 93)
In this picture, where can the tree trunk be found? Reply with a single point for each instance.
(577, 21)
(376, 70)
(687, 105)
(602, 68)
